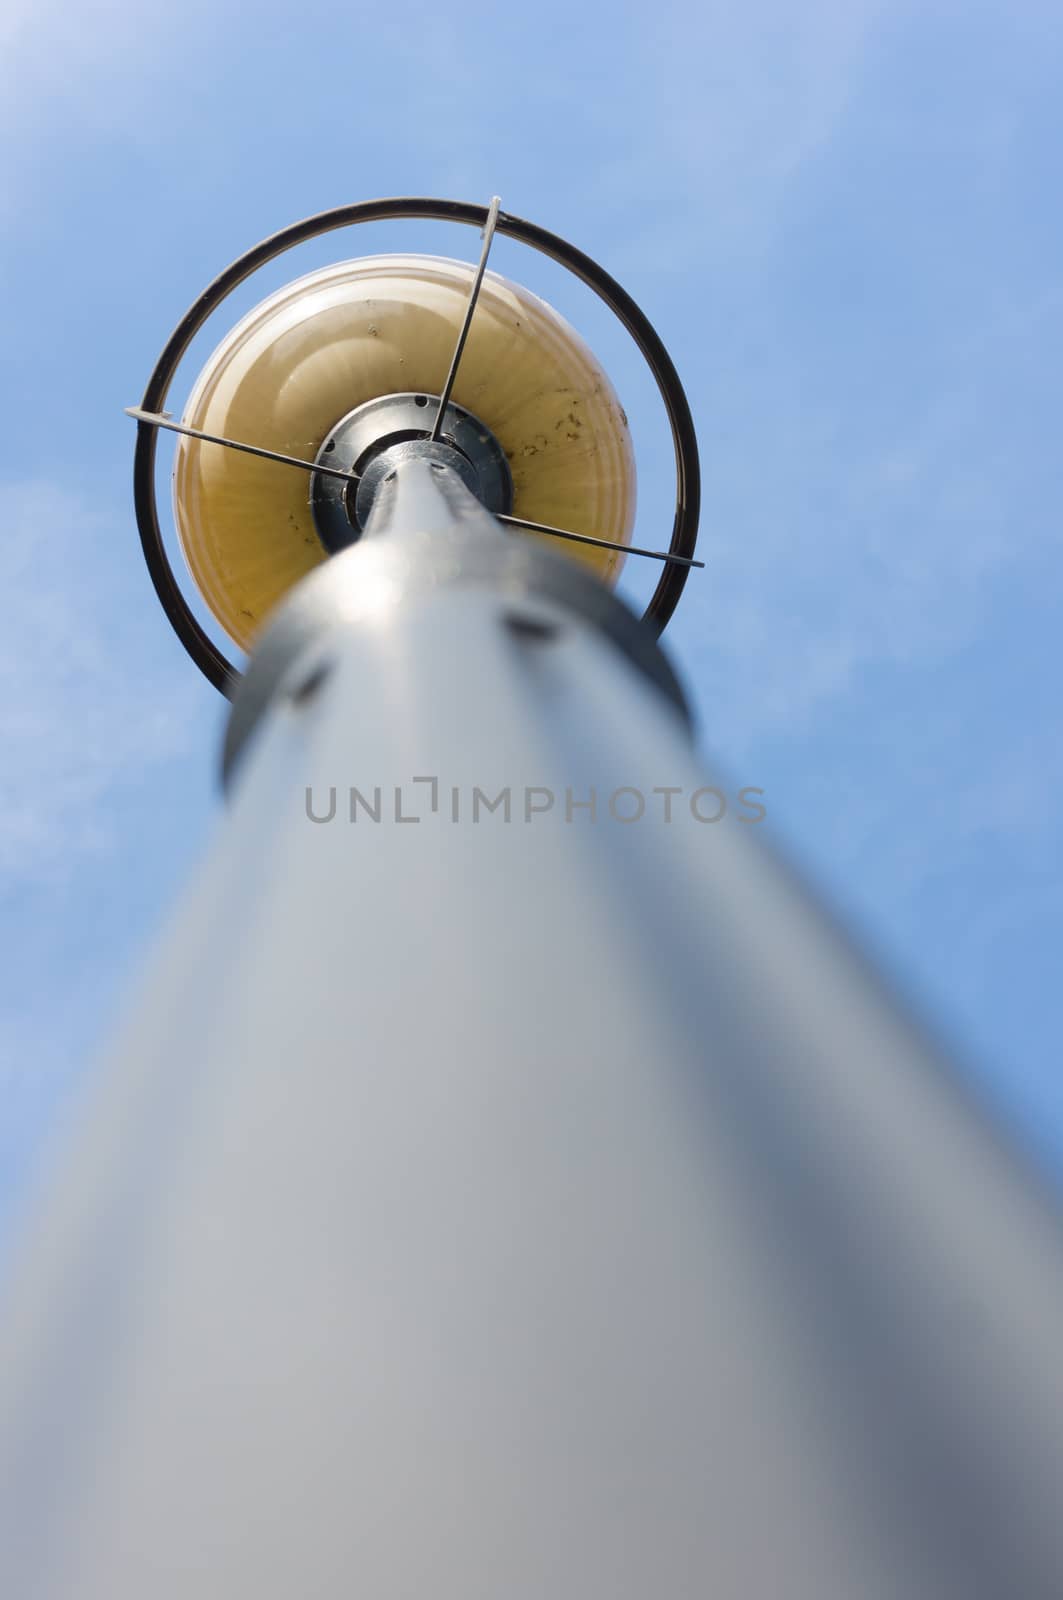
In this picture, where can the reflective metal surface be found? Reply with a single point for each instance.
(369, 442)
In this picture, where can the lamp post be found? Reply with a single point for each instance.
(510, 1181)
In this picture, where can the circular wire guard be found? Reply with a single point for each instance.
(204, 652)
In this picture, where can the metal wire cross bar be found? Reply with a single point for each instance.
(474, 295)
(587, 538)
(162, 419)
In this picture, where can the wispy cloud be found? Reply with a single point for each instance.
(80, 716)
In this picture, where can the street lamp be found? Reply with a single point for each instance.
(377, 330)
(511, 1181)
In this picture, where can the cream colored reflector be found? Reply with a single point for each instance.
(308, 355)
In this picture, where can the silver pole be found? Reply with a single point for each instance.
(504, 1204)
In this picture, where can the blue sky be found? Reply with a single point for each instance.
(844, 219)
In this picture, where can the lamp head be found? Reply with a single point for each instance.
(347, 363)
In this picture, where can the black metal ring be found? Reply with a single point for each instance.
(204, 652)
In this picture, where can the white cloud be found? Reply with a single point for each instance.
(81, 713)
(83, 71)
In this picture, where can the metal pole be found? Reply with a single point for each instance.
(519, 1201)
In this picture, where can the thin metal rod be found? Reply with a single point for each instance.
(606, 544)
(488, 235)
(159, 419)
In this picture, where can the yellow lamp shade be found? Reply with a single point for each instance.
(381, 325)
